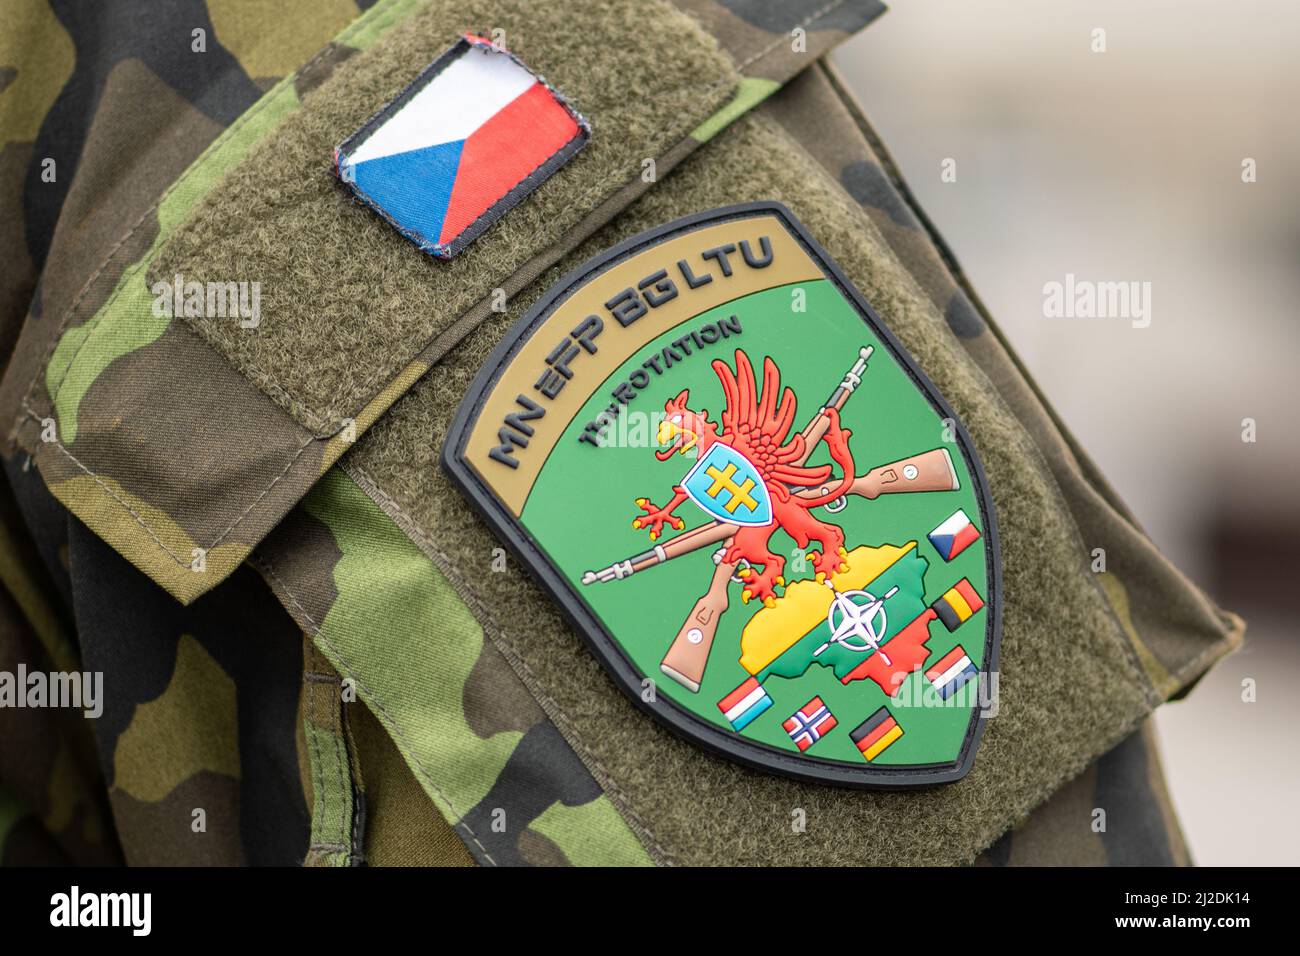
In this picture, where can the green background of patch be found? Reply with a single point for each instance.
(581, 508)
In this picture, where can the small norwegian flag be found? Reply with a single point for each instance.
(809, 723)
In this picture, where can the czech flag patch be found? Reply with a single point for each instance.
(473, 135)
(954, 535)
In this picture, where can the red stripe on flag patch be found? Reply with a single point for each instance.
(505, 151)
(945, 662)
(885, 727)
(737, 695)
(969, 594)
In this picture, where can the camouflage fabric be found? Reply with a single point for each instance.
(183, 551)
(478, 743)
(80, 419)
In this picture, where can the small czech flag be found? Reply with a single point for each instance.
(473, 135)
(951, 672)
(875, 734)
(954, 535)
(745, 703)
(809, 723)
(957, 605)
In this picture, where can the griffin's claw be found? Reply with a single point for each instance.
(744, 573)
(654, 535)
(679, 524)
(636, 522)
(843, 568)
(811, 556)
(843, 553)
(642, 502)
(769, 601)
(780, 581)
(745, 596)
(821, 577)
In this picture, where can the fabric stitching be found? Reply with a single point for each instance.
(739, 69)
(806, 22)
(317, 774)
(145, 525)
(344, 778)
(445, 564)
(330, 707)
(263, 563)
(682, 130)
(228, 134)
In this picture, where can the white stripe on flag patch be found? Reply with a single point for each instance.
(952, 672)
(470, 91)
(953, 524)
(750, 699)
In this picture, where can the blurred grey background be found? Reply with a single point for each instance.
(1127, 166)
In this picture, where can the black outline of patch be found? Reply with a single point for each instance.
(512, 198)
(606, 649)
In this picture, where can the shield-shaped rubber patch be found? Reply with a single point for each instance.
(761, 514)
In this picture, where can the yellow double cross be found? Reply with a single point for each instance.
(723, 481)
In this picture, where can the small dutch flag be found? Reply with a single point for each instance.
(951, 672)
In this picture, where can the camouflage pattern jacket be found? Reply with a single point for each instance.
(308, 648)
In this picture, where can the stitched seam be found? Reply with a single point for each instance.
(345, 796)
(227, 135)
(385, 375)
(262, 562)
(373, 490)
(807, 21)
(145, 525)
(317, 796)
(682, 130)
(331, 708)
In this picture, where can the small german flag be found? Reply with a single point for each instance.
(958, 604)
(874, 735)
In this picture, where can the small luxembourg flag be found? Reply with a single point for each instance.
(468, 139)
(951, 671)
(954, 535)
(809, 723)
(745, 703)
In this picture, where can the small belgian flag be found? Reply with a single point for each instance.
(958, 604)
(876, 733)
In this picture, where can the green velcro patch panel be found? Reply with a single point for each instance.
(336, 288)
(182, 440)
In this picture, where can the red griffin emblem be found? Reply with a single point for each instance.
(757, 426)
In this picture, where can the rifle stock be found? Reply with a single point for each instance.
(688, 654)
(928, 471)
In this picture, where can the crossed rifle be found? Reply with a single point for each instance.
(688, 655)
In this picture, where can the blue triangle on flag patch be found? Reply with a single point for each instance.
(413, 188)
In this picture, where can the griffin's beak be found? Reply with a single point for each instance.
(674, 438)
